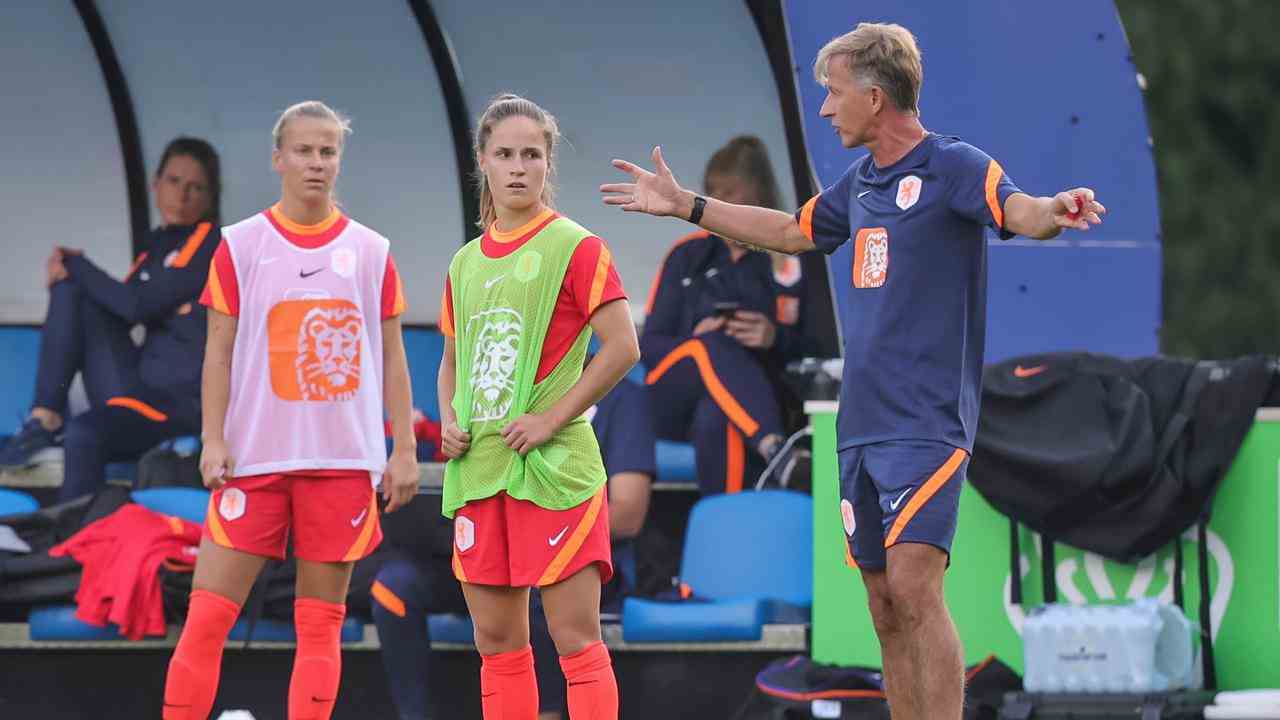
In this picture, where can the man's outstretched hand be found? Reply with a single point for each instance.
(655, 193)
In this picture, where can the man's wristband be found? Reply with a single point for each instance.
(699, 204)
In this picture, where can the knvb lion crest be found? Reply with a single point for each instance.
(493, 362)
(871, 258)
(328, 361)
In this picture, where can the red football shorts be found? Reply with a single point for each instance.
(334, 515)
(503, 541)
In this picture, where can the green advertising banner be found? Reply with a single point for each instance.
(1244, 556)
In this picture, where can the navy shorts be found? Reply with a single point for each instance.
(899, 491)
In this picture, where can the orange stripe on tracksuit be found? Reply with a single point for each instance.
(189, 250)
(137, 263)
(388, 599)
(139, 407)
(927, 491)
(695, 350)
(657, 278)
(736, 459)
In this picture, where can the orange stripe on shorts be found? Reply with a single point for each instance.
(366, 533)
(458, 572)
(927, 491)
(579, 536)
(218, 534)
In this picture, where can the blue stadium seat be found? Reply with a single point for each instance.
(271, 630)
(423, 348)
(676, 462)
(19, 348)
(451, 628)
(186, 503)
(58, 622)
(766, 576)
(13, 502)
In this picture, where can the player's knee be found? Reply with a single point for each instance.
(499, 636)
(67, 289)
(572, 636)
(883, 615)
(84, 430)
(915, 600)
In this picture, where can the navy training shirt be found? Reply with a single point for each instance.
(699, 271)
(915, 319)
(624, 429)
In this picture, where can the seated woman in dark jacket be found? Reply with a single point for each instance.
(721, 323)
(138, 395)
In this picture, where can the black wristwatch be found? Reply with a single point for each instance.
(699, 204)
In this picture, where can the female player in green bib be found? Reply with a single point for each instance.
(525, 484)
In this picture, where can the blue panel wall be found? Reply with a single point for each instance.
(1057, 103)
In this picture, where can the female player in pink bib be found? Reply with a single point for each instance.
(525, 484)
(304, 357)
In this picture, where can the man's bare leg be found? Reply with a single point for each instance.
(895, 651)
(915, 573)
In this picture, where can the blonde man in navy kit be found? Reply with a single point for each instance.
(914, 324)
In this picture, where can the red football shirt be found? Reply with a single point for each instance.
(590, 281)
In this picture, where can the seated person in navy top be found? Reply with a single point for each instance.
(722, 322)
(138, 395)
(409, 586)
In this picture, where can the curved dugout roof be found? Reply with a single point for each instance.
(688, 77)
(1057, 103)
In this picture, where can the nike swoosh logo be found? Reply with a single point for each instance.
(358, 518)
(492, 281)
(302, 274)
(1022, 372)
(864, 192)
(267, 261)
(560, 536)
(893, 505)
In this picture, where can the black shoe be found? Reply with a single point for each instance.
(19, 450)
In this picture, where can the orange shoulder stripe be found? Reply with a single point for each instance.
(657, 278)
(193, 244)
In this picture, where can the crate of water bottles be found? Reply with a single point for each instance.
(1137, 647)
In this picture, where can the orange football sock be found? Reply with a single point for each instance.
(593, 689)
(192, 681)
(317, 664)
(508, 687)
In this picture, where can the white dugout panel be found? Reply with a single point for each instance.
(622, 78)
(60, 159)
(225, 73)
(687, 76)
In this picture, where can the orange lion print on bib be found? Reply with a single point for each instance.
(314, 349)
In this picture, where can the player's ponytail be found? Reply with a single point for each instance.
(500, 108)
(746, 158)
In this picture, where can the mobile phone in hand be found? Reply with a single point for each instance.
(726, 309)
